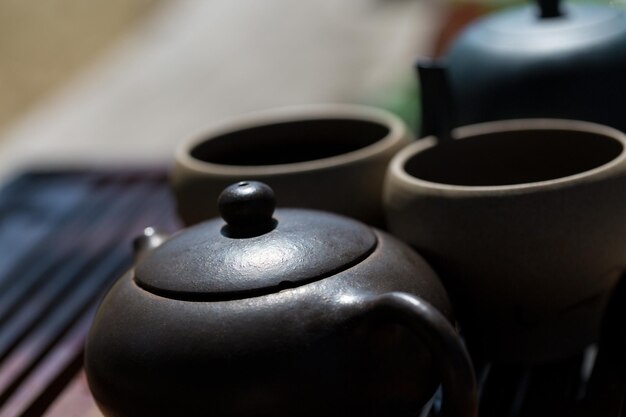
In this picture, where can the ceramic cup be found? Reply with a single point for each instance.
(327, 157)
(526, 223)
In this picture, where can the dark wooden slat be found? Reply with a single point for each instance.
(101, 189)
(30, 213)
(45, 383)
(55, 371)
(67, 265)
(44, 250)
(109, 261)
(33, 348)
(35, 368)
(75, 400)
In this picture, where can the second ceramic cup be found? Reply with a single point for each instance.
(525, 221)
(328, 157)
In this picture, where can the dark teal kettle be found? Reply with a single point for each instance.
(549, 59)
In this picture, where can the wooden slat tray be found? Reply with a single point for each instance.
(66, 237)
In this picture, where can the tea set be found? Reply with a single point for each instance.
(504, 223)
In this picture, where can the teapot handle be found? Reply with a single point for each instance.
(453, 361)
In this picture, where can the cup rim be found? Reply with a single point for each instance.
(398, 162)
(397, 132)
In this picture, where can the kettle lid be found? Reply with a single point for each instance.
(551, 25)
(253, 250)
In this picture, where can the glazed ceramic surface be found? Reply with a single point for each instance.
(560, 61)
(524, 221)
(327, 157)
(291, 313)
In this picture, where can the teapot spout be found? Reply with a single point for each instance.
(436, 99)
(150, 239)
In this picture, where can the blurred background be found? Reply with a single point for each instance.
(43, 43)
(123, 81)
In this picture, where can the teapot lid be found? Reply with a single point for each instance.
(550, 25)
(253, 250)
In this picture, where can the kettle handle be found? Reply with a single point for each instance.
(438, 112)
(550, 9)
(453, 362)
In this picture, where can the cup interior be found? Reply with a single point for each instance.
(513, 157)
(289, 142)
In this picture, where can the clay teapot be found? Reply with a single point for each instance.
(290, 312)
(553, 60)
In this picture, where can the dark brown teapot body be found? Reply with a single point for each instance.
(299, 313)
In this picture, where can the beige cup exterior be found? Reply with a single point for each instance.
(349, 183)
(529, 265)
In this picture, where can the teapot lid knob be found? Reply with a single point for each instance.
(247, 207)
